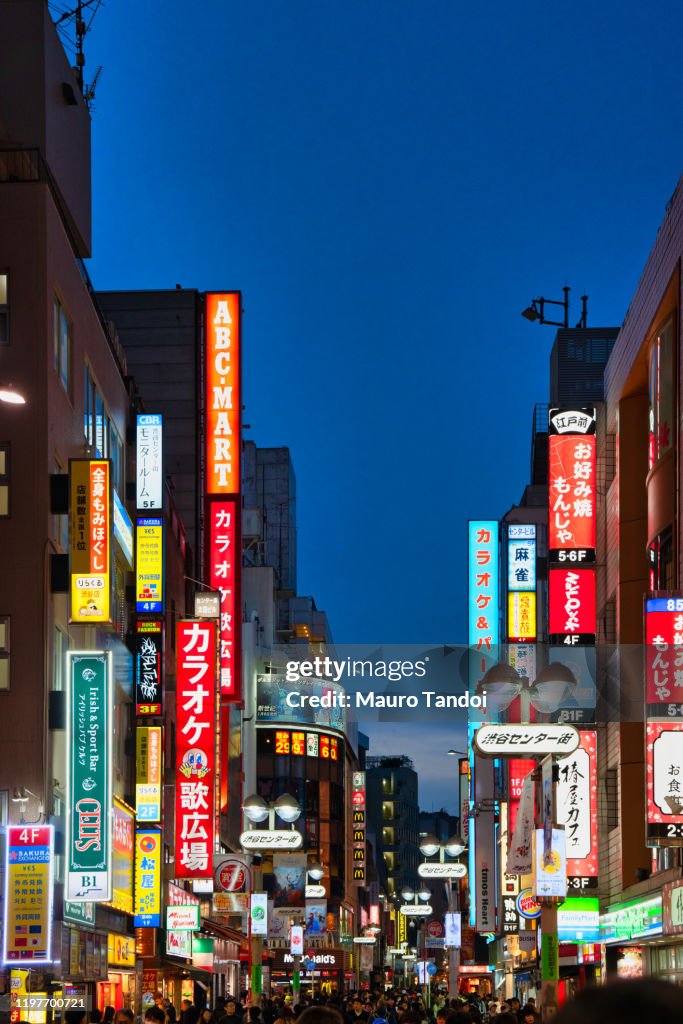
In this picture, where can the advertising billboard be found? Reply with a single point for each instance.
(149, 565)
(195, 749)
(90, 540)
(550, 877)
(223, 392)
(149, 660)
(571, 486)
(572, 606)
(148, 850)
(521, 559)
(521, 616)
(359, 825)
(483, 584)
(149, 463)
(148, 773)
(29, 862)
(122, 857)
(664, 656)
(576, 799)
(89, 777)
(224, 557)
(272, 704)
(664, 779)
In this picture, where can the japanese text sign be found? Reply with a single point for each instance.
(664, 777)
(149, 565)
(521, 560)
(483, 584)
(571, 486)
(664, 650)
(148, 773)
(149, 463)
(89, 777)
(521, 616)
(147, 878)
(91, 521)
(223, 393)
(577, 806)
(224, 568)
(149, 637)
(572, 605)
(28, 894)
(195, 751)
(123, 853)
(513, 740)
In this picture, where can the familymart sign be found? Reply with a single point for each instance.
(89, 777)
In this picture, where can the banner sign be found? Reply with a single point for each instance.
(550, 879)
(181, 919)
(521, 616)
(258, 913)
(359, 827)
(29, 858)
(89, 777)
(195, 748)
(483, 584)
(149, 565)
(123, 853)
(664, 776)
(509, 915)
(572, 606)
(453, 923)
(515, 740)
(296, 940)
(577, 810)
(289, 880)
(522, 559)
(91, 524)
(148, 848)
(223, 392)
(484, 881)
(148, 773)
(664, 656)
(149, 472)
(149, 638)
(224, 567)
(316, 919)
(571, 486)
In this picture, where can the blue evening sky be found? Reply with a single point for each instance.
(389, 183)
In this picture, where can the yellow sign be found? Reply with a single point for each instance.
(90, 515)
(121, 950)
(149, 565)
(521, 615)
(148, 773)
(148, 878)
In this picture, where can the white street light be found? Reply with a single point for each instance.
(429, 845)
(255, 808)
(424, 895)
(407, 893)
(454, 846)
(316, 871)
(287, 808)
(9, 394)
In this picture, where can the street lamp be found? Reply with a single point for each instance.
(10, 395)
(535, 313)
(316, 871)
(256, 809)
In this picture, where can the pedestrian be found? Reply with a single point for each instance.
(124, 1016)
(109, 1013)
(154, 1015)
(321, 1015)
(231, 1015)
(357, 1014)
(169, 1009)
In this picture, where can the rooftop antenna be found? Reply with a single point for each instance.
(73, 22)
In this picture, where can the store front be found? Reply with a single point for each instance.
(475, 979)
(665, 959)
(627, 931)
(119, 990)
(327, 975)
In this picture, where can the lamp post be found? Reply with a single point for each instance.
(256, 810)
(535, 313)
(420, 900)
(453, 847)
(546, 694)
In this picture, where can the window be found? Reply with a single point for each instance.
(661, 424)
(4, 308)
(100, 433)
(4, 652)
(4, 481)
(62, 339)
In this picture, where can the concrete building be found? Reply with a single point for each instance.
(393, 818)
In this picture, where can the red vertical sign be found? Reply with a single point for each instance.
(224, 557)
(195, 748)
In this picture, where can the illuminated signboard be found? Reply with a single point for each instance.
(195, 752)
(122, 859)
(550, 880)
(149, 637)
(664, 655)
(148, 773)
(123, 529)
(578, 920)
(224, 564)
(91, 522)
(483, 584)
(149, 565)
(521, 616)
(182, 919)
(274, 702)
(664, 783)
(577, 810)
(149, 473)
(89, 777)
(358, 827)
(571, 486)
(572, 606)
(521, 559)
(27, 933)
(148, 878)
(637, 919)
(518, 769)
(301, 744)
(223, 392)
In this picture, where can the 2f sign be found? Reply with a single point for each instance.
(223, 398)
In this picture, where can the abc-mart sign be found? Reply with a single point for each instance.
(271, 839)
(442, 870)
(525, 740)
